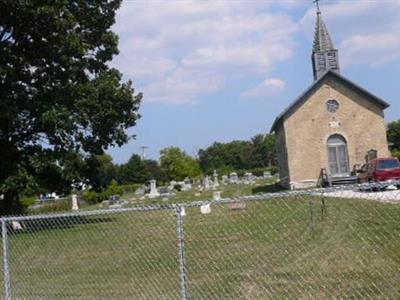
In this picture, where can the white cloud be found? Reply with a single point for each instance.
(268, 88)
(181, 50)
(182, 86)
(374, 50)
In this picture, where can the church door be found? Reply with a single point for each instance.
(338, 156)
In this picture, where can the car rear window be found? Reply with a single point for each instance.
(388, 164)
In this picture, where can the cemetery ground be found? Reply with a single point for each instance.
(227, 191)
(264, 185)
(283, 248)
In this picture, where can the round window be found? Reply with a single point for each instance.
(332, 105)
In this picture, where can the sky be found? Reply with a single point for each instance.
(223, 70)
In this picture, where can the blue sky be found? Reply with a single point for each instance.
(223, 70)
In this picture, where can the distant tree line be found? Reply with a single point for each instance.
(175, 164)
(256, 155)
(258, 152)
(99, 171)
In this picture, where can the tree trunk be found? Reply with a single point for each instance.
(11, 204)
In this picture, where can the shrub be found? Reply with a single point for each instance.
(258, 171)
(114, 189)
(130, 188)
(396, 153)
(273, 170)
(56, 206)
(26, 202)
(240, 173)
(224, 170)
(177, 187)
(93, 197)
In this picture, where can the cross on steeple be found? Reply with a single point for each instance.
(324, 55)
(317, 6)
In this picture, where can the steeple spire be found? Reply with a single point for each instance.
(317, 6)
(324, 55)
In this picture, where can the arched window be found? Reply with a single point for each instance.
(338, 156)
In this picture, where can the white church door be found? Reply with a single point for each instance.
(338, 156)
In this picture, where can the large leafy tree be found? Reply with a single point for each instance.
(176, 164)
(99, 171)
(262, 149)
(393, 133)
(58, 95)
(138, 170)
(219, 156)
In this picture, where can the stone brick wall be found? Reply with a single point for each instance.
(282, 156)
(307, 130)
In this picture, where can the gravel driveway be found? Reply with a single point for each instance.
(391, 194)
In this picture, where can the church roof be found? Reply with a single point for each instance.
(303, 97)
(322, 39)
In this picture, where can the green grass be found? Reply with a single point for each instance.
(276, 249)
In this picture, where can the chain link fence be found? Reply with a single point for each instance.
(335, 243)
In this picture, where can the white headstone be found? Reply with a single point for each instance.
(249, 178)
(153, 189)
(217, 195)
(187, 185)
(267, 174)
(172, 185)
(233, 178)
(206, 183)
(205, 209)
(183, 212)
(215, 183)
(140, 191)
(16, 225)
(74, 199)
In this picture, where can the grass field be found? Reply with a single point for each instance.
(292, 248)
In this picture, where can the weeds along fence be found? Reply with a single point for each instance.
(323, 243)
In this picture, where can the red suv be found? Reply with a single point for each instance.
(380, 169)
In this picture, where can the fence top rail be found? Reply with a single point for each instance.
(178, 206)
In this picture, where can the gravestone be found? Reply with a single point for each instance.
(140, 191)
(217, 195)
(74, 199)
(187, 185)
(153, 190)
(249, 178)
(206, 183)
(233, 178)
(172, 184)
(16, 225)
(225, 179)
(205, 209)
(267, 174)
(215, 182)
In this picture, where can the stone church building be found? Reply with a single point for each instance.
(332, 125)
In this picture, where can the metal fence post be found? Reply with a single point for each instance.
(181, 253)
(323, 207)
(6, 266)
(311, 204)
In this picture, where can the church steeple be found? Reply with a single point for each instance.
(324, 55)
